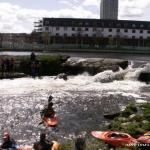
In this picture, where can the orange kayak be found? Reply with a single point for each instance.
(50, 121)
(117, 139)
(144, 138)
(25, 148)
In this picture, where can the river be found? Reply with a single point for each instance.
(79, 102)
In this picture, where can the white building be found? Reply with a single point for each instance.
(109, 9)
(69, 27)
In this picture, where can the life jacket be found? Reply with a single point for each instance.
(55, 146)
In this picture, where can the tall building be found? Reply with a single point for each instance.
(109, 9)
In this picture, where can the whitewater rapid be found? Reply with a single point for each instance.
(79, 102)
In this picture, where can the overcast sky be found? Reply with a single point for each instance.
(19, 15)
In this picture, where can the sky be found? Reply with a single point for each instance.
(17, 16)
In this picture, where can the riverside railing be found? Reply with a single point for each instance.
(73, 47)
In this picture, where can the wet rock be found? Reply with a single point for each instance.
(62, 76)
(145, 121)
(122, 119)
(144, 77)
(132, 116)
(124, 125)
(12, 75)
(94, 65)
(111, 116)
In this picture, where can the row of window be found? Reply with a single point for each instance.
(94, 35)
(103, 24)
(95, 29)
(133, 31)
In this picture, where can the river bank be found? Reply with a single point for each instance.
(134, 120)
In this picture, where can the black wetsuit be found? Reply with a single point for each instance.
(10, 143)
(42, 145)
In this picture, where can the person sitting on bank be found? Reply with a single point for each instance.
(33, 57)
(48, 111)
(8, 143)
(80, 144)
(43, 144)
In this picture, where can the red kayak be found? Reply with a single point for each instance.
(117, 139)
(25, 148)
(50, 122)
(144, 138)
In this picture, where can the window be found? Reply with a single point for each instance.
(72, 23)
(118, 25)
(110, 30)
(57, 28)
(110, 25)
(73, 29)
(94, 35)
(126, 30)
(86, 35)
(141, 25)
(46, 28)
(133, 25)
(110, 36)
(125, 25)
(80, 23)
(141, 31)
(141, 37)
(57, 34)
(148, 31)
(73, 35)
(125, 36)
(65, 28)
(86, 23)
(79, 29)
(47, 22)
(65, 34)
(86, 29)
(133, 31)
(94, 29)
(133, 37)
(94, 24)
(118, 30)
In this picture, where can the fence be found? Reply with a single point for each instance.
(73, 47)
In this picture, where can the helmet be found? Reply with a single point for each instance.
(50, 98)
(6, 135)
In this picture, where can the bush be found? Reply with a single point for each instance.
(129, 110)
(68, 146)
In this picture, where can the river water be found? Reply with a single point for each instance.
(80, 102)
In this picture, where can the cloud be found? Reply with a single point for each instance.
(91, 3)
(133, 8)
(15, 18)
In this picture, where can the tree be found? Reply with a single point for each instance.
(45, 37)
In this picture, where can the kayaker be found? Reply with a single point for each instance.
(43, 144)
(80, 144)
(8, 143)
(33, 57)
(48, 111)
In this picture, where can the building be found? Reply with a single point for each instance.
(109, 9)
(69, 27)
(13, 39)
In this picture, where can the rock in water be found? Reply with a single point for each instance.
(144, 77)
